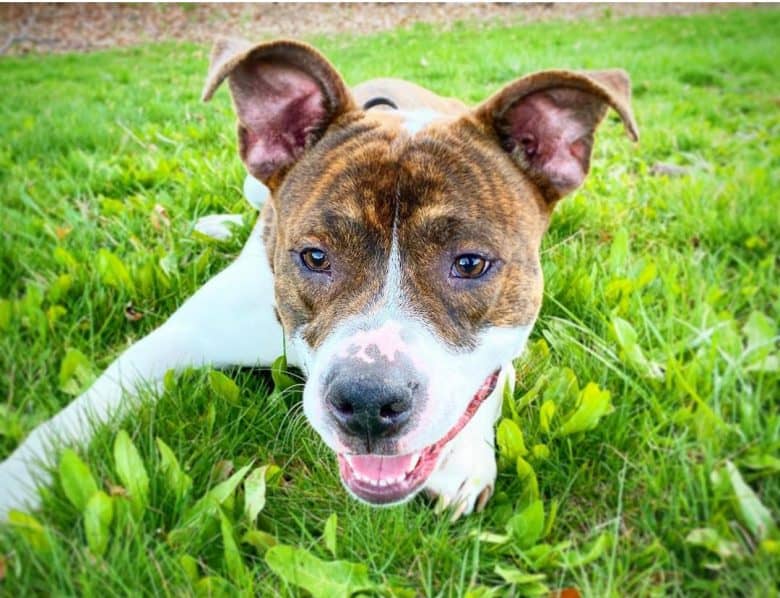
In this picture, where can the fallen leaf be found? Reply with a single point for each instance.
(159, 217)
(131, 313)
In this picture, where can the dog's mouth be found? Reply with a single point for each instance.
(388, 479)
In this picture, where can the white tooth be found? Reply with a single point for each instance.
(383, 483)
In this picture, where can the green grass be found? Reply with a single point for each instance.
(91, 143)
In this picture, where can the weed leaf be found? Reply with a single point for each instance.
(254, 493)
(76, 373)
(97, 522)
(31, 530)
(751, 510)
(233, 562)
(510, 440)
(322, 579)
(223, 386)
(329, 534)
(527, 526)
(594, 403)
(282, 380)
(131, 471)
(178, 481)
(76, 479)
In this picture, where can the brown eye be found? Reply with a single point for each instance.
(315, 260)
(469, 265)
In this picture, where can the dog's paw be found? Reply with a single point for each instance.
(465, 479)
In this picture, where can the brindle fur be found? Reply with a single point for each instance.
(363, 178)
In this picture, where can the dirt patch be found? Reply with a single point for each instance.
(56, 28)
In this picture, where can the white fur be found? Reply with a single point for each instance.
(219, 226)
(415, 121)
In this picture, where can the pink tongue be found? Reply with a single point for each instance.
(378, 467)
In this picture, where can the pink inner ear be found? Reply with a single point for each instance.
(554, 131)
(279, 107)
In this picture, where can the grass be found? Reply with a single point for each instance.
(661, 290)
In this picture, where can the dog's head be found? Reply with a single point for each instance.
(405, 254)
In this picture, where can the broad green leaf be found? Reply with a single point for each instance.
(710, 540)
(282, 380)
(260, 540)
(329, 534)
(546, 413)
(76, 372)
(97, 522)
(214, 586)
(189, 565)
(254, 493)
(527, 475)
(576, 558)
(562, 386)
(65, 259)
(527, 526)
(223, 386)
(510, 440)
(526, 584)
(113, 271)
(594, 403)
(31, 530)
(178, 481)
(209, 502)
(540, 451)
(131, 471)
(751, 510)
(760, 332)
(761, 462)
(322, 579)
(234, 563)
(627, 339)
(76, 479)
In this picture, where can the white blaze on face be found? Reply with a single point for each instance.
(392, 330)
(415, 121)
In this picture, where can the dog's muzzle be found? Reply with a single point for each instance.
(390, 479)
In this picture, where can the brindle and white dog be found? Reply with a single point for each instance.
(398, 253)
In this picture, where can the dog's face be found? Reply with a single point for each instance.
(405, 255)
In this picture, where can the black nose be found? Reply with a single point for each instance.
(370, 406)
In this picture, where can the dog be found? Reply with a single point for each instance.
(396, 258)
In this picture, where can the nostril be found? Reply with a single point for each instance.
(344, 407)
(393, 410)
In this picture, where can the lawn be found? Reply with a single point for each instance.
(662, 291)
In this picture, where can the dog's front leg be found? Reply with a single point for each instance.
(229, 321)
(466, 476)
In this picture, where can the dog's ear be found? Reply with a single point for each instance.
(546, 122)
(285, 95)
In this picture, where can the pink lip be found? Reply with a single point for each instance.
(387, 479)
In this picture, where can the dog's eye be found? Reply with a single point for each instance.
(315, 260)
(469, 265)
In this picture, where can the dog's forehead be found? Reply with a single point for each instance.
(379, 174)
